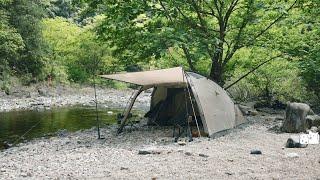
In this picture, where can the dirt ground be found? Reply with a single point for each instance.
(81, 155)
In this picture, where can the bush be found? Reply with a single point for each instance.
(277, 81)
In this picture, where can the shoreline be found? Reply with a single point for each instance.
(32, 98)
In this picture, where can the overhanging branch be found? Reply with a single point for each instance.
(252, 70)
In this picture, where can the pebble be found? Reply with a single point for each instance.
(144, 152)
(292, 155)
(255, 151)
(203, 155)
(182, 143)
(229, 173)
(124, 168)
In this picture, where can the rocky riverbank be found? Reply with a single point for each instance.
(26, 98)
(150, 153)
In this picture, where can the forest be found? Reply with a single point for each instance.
(273, 46)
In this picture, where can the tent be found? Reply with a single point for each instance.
(177, 92)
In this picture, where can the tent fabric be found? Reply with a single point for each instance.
(163, 77)
(216, 109)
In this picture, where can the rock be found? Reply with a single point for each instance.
(124, 168)
(313, 120)
(188, 153)
(293, 142)
(42, 91)
(144, 152)
(182, 143)
(247, 110)
(229, 173)
(109, 112)
(253, 112)
(255, 151)
(244, 109)
(24, 174)
(314, 129)
(203, 155)
(2, 93)
(21, 93)
(62, 133)
(295, 118)
(292, 155)
(279, 119)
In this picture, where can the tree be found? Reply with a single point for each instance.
(11, 43)
(24, 17)
(74, 51)
(213, 30)
(307, 47)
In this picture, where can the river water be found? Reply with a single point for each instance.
(19, 126)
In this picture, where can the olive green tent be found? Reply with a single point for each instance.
(174, 89)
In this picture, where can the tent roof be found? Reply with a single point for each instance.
(163, 77)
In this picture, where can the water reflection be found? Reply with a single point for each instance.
(14, 124)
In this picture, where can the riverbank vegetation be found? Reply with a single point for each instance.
(67, 41)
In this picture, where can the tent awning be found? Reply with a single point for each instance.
(163, 77)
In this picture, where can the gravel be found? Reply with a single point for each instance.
(81, 155)
(68, 96)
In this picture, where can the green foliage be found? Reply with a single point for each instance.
(278, 80)
(25, 16)
(20, 40)
(75, 52)
(309, 49)
(62, 39)
(219, 39)
(207, 31)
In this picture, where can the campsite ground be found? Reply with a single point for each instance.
(80, 155)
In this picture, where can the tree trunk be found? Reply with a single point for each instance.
(216, 73)
(189, 58)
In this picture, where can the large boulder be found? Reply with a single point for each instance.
(295, 118)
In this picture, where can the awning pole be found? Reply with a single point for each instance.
(125, 118)
(96, 106)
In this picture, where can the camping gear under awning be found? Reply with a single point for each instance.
(163, 77)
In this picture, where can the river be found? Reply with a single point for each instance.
(19, 126)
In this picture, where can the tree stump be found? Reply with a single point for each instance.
(295, 118)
